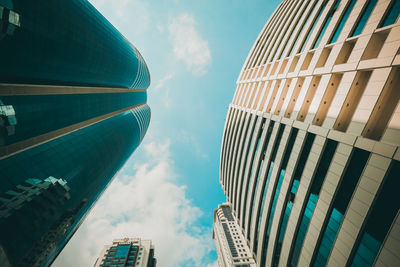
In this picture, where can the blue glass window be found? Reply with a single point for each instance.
(392, 14)
(341, 201)
(261, 50)
(253, 194)
(65, 39)
(275, 199)
(122, 251)
(236, 132)
(271, 166)
(326, 23)
(253, 163)
(264, 189)
(40, 114)
(103, 152)
(299, 33)
(305, 21)
(311, 201)
(379, 220)
(243, 164)
(277, 189)
(343, 20)
(291, 196)
(313, 26)
(364, 17)
(245, 129)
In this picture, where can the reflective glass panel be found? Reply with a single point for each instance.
(302, 29)
(259, 169)
(122, 250)
(34, 115)
(326, 23)
(379, 220)
(340, 203)
(253, 163)
(342, 21)
(64, 176)
(292, 194)
(57, 42)
(276, 190)
(244, 163)
(392, 14)
(364, 17)
(312, 27)
(264, 189)
(311, 201)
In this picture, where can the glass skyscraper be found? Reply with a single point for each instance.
(72, 110)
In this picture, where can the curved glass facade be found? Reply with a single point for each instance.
(56, 214)
(40, 114)
(65, 43)
(72, 110)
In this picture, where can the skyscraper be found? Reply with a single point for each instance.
(310, 151)
(72, 110)
(127, 252)
(232, 249)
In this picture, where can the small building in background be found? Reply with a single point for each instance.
(232, 249)
(127, 252)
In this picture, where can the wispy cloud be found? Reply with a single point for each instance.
(161, 88)
(131, 17)
(188, 45)
(161, 83)
(148, 205)
(190, 139)
(214, 264)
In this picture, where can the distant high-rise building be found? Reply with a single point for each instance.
(310, 158)
(72, 110)
(127, 252)
(232, 249)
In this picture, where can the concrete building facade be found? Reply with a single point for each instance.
(232, 249)
(127, 252)
(310, 154)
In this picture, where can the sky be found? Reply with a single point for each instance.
(168, 189)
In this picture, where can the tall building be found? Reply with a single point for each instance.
(72, 110)
(127, 252)
(232, 249)
(310, 158)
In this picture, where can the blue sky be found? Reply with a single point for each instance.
(168, 189)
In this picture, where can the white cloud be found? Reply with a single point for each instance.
(168, 101)
(160, 28)
(148, 205)
(161, 83)
(214, 264)
(190, 139)
(131, 17)
(188, 45)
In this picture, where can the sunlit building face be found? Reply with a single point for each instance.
(309, 158)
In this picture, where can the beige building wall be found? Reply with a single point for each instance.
(344, 90)
(232, 249)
